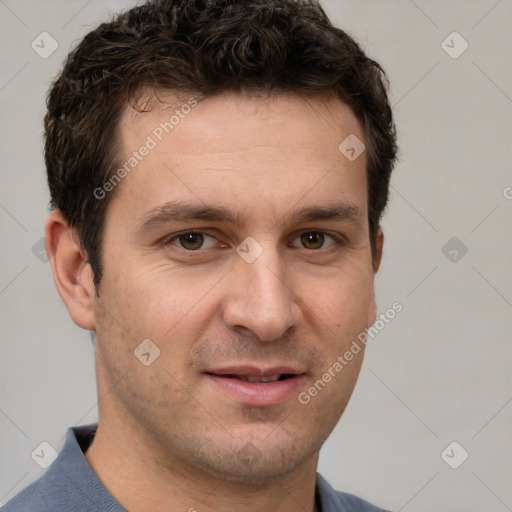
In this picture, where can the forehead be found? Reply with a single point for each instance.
(219, 120)
(256, 152)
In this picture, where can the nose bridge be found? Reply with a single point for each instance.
(260, 299)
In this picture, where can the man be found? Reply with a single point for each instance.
(218, 170)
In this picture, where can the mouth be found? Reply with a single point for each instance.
(252, 378)
(256, 386)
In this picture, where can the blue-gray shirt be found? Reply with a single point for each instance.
(70, 485)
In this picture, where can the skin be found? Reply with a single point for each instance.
(167, 434)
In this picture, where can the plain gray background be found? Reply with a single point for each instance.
(438, 373)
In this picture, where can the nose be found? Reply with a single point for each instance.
(261, 298)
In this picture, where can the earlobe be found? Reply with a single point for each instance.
(71, 273)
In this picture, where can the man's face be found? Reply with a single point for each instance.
(288, 302)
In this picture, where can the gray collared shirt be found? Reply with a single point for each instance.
(70, 485)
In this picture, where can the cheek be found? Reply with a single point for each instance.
(344, 304)
(154, 300)
(171, 308)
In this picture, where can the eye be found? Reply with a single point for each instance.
(192, 241)
(314, 240)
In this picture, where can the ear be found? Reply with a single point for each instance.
(72, 274)
(377, 252)
(376, 259)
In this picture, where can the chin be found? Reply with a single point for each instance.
(261, 462)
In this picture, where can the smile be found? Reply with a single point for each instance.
(256, 386)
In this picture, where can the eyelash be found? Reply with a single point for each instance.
(337, 240)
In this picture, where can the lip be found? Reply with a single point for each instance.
(256, 371)
(257, 393)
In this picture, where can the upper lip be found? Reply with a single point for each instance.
(256, 371)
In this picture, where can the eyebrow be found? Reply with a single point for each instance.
(177, 211)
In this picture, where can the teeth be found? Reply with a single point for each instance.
(248, 378)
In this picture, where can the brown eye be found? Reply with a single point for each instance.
(192, 241)
(313, 240)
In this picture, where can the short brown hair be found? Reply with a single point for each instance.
(204, 48)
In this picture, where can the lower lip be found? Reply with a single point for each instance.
(258, 393)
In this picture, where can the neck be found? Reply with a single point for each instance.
(141, 479)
